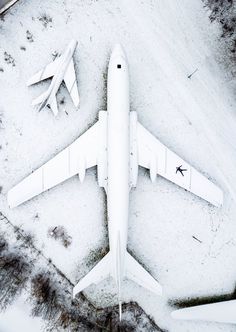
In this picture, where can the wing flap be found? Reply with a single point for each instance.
(154, 155)
(71, 84)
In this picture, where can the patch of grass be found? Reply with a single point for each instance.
(45, 19)
(9, 59)
(29, 36)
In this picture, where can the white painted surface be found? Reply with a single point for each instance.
(222, 312)
(61, 69)
(165, 41)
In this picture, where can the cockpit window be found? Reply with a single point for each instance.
(119, 66)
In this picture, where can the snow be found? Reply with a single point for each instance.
(17, 318)
(165, 41)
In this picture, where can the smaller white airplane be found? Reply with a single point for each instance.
(61, 69)
(221, 312)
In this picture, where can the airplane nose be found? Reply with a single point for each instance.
(73, 44)
(118, 51)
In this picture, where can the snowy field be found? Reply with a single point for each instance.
(186, 243)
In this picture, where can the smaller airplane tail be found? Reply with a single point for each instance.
(43, 100)
(40, 99)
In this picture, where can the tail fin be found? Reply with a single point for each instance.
(100, 271)
(137, 273)
(222, 312)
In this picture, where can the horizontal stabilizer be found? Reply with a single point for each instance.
(100, 272)
(138, 274)
(40, 99)
(223, 312)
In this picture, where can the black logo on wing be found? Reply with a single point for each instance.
(180, 170)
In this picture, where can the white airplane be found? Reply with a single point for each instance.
(62, 68)
(117, 144)
(6, 4)
(221, 312)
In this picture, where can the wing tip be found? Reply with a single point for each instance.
(74, 292)
(29, 82)
(157, 289)
(176, 314)
(220, 199)
(11, 200)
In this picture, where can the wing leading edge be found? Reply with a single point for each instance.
(47, 72)
(156, 157)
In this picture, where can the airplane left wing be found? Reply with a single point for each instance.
(46, 72)
(156, 157)
(71, 84)
(82, 154)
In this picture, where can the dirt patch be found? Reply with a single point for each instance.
(60, 234)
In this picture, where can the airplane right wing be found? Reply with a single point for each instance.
(82, 154)
(46, 72)
(71, 84)
(222, 312)
(154, 155)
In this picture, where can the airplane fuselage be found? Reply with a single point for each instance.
(60, 73)
(118, 154)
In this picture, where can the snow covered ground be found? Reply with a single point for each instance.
(165, 41)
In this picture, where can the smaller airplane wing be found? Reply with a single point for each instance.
(100, 272)
(45, 73)
(154, 155)
(71, 84)
(75, 159)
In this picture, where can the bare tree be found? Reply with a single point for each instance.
(45, 296)
(14, 273)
